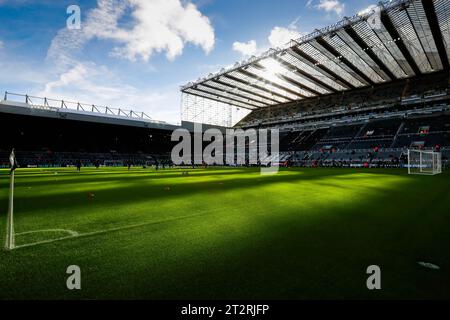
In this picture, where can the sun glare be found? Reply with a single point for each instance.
(272, 67)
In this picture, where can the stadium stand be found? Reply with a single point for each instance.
(46, 141)
(376, 135)
(345, 95)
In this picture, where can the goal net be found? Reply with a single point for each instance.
(424, 162)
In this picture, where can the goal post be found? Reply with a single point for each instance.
(424, 162)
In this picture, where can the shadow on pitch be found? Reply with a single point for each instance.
(135, 191)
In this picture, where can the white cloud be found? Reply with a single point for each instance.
(65, 47)
(1, 44)
(157, 26)
(90, 83)
(332, 6)
(19, 73)
(247, 49)
(161, 26)
(164, 25)
(368, 10)
(75, 77)
(279, 36)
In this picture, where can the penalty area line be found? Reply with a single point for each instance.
(75, 235)
(71, 232)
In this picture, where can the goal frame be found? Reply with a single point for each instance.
(436, 162)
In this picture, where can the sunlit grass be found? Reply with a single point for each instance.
(225, 233)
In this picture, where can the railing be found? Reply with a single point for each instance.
(57, 105)
(380, 150)
(290, 123)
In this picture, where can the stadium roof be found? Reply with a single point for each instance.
(400, 39)
(63, 109)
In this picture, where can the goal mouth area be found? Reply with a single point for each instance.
(424, 162)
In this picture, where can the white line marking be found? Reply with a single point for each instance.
(428, 265)
(88, 234)
(71, 232)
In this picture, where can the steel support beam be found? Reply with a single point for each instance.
(389, 25)
(235, 94)
(430, 12)
(305, 75)
(360, 42)
(321, 68)
(291, 81)
(229, 76)
(273, 84)
(218, 81)
(249, 106)
(201, 96)
(344, 60)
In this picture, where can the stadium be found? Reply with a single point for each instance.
(362, 109)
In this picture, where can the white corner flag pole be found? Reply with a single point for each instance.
(9, 244)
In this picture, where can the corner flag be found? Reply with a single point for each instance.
(10, 239)
(13, 161)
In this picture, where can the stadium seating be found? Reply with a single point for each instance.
(392, 96)
(43, 141)
(372, 126)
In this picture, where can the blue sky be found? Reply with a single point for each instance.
(136, 53)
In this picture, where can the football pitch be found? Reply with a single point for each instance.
(225, 233)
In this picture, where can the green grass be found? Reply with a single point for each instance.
(227, 233)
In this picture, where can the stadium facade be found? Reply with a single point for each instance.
(401, 39)
(58, 133)
(359, 92)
